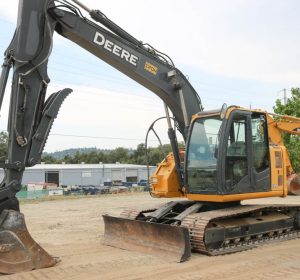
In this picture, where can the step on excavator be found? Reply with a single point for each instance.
(231, 154)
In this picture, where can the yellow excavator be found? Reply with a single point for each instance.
(230, 155)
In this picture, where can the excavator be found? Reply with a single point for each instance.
(231, 154)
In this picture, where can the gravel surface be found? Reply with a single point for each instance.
(72, 229)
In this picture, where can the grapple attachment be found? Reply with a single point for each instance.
(18, 251)
(171, 242)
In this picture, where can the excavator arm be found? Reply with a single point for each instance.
(31, 115)
(282, 123)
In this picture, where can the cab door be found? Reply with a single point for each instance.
(237, 153)
(246, 160)
(260, 153)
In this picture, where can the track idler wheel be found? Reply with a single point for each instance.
(18, 251)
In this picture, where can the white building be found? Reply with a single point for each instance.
(85, 174)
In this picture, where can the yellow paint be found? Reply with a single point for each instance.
(232, 197)
(165, 182)
(150, 68)
(276, 126)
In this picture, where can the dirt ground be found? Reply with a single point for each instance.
(72, 229)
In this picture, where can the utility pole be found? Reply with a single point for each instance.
(284, 96)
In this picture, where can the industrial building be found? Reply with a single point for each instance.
(85, 174)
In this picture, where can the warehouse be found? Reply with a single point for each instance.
(85, 174)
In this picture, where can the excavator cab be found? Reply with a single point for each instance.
(229, 155)
(228, 158)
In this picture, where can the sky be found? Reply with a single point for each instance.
(242, 52)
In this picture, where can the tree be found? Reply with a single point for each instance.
(138, 156)
(292, 142)
(119, 155)
(155, 156)
(48, 159)
(122, 155)
(67, 159)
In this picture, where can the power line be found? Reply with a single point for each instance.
(115, 79)
(95, 75)
(96, 137)
(200, 84)
(124, 83)
(149, 100)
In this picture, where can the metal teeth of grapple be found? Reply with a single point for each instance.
(18, 251)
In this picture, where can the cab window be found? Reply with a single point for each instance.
(236, 154)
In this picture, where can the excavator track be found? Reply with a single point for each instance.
(200, 223)
(209, 230)
(133, 214)
(234, 229)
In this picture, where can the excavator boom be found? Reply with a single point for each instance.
(31, 115)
